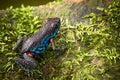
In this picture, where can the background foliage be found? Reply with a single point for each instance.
(92, 49)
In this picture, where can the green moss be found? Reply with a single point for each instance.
(92, 50)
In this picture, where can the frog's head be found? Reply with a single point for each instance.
(53, 24)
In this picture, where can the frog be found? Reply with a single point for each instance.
(36, 44)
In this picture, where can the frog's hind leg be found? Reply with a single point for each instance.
(26, 64)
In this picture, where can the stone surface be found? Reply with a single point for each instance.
(73, 10)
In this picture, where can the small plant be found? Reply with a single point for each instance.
(17, 22)
(93, 48)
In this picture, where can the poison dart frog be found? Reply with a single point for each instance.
(37, 43)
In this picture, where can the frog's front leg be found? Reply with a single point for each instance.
(20, 42)
(59, 50)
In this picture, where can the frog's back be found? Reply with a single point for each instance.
(40, 40)
(42, 45)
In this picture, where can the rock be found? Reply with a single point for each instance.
(73, 10)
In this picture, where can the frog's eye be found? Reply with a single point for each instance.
(57, 20)
(48, 19)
